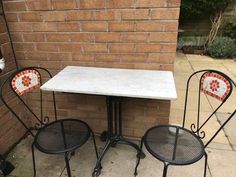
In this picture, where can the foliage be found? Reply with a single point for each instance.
(229, 29)
(222, 47)
(195, 9)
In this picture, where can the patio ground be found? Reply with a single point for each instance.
(120, 161)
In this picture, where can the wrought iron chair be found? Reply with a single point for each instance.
(176, 145)
(62, 136)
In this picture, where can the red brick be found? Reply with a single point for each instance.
(20, 55)
(62, 4)
(79, 15)
(163, 37)
(67, 27)
(92, 4)
(58, 37)
(4, 38)
(151, 3)
(114, 4)
(17, 37)
(173, 3)
(53, 16)
(39, 4)
(29, 17)
(36, 56)
(167, 67)
(47, 47)
(94, 26)
(44, 27)
(151, 66)
(15, 26)
(134, 37)
(107, 58)
(148, 48)
(59, 56)
(165, 13)
(14, 6)
(3, 28)
(125, 48)
(171, 25)
(24, 46)
(149, 26)
(94, 48)
(133, 58)
(12, 17)
(168, 48)
(83, 57)
(34, 37)
(166, 58)
(82, 37)
(69, 47)
(107, 37)
(136, 14)
(121, 26)
(114, 14)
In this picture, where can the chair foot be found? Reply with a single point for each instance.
(33, 158)
(165, 169)
(96, 172)
(139, 155)
(205, 167)
(67, 164)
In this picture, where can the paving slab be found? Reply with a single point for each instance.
(222, 163)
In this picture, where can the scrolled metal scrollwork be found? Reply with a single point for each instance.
(200, 134)
(45, 120)
(39, 125)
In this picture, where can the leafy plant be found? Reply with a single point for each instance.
(195, 9)
(222, 47)
(229, 29)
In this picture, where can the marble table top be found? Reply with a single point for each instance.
(114, 82)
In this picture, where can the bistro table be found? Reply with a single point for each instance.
(114, 84)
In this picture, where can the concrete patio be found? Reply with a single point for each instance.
(120, 161)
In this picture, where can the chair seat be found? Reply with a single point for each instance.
(50, 139)
(168, 145)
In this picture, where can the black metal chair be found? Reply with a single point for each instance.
(176, 145)
(62, 136)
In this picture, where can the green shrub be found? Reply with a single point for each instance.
(196, 9)
(222, 47)
(229, 29)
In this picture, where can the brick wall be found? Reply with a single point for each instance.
(10, 129)
(139, 34)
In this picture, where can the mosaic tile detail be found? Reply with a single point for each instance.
(215, 85)
(25, 81)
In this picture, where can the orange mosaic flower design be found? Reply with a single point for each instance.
(26, 81)
(214, 85)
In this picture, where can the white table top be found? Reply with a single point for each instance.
(114, 82)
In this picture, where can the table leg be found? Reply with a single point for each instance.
(114, 133)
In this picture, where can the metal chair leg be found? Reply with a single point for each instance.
(67, 164)
(205, 168)
(138, 156)
(94, 142)
(33, 158)
(165, 169)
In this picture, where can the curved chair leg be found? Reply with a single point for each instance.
(165, 169)
(67, 164)
(33, 158)
(138, 156)
(95, 145)
(205, 168)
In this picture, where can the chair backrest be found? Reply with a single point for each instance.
(22, 82)
(213, 84)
